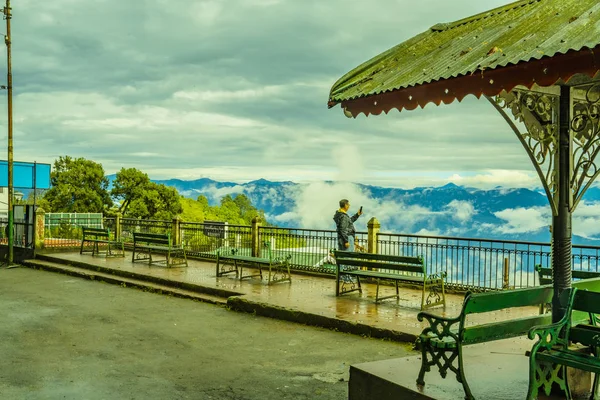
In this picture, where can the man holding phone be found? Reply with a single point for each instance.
(345, 226)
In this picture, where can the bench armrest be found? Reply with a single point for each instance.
(548, 335)
(439, 326)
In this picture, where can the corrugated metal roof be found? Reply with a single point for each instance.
(518, 32)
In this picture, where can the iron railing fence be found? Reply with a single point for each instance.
(206, 239)
(63, 230)
(130, 225)
(308, 249)
(22, 232)
(483, 263)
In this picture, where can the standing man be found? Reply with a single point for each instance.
(345, 226)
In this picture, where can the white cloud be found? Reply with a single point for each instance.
(461, 211)
(198, 83)
(523, 220)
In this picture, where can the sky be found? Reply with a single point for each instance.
(237, 90)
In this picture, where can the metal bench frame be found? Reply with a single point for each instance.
(97, 236)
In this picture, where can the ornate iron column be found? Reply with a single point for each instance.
(562, 139)
(561, 221)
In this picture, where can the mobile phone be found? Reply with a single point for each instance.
(360, 210)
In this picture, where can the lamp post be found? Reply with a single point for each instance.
(7, 40)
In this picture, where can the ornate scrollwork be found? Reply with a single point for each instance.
(585, 129)
(435, 282)
(539, 113)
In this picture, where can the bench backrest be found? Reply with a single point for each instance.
(475, 303)
(582, 307)
(95, 232)
(152, 238)
(545, 274)
(380, 261)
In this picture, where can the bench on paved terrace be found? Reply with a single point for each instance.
(384, 267)
(555, 351)
(144, 244)
(97, 236)
(545, 278)
(279, 268)
(442, 341)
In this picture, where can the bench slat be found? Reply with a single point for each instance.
(546, 275)
(380, 265)
(383, 275)
(344, 255)
(585, 334)
(586, 301)
(245, 258)
(571, 359)
(494, 301)
(503, 329)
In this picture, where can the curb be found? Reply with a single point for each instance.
(142, 277)
(238, 303)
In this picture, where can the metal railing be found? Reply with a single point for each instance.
(473, 264)
(130, 225)
(483, 263)
(310, 249)
(204, 240)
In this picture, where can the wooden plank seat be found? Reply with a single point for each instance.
(384, 267)
(145, 244)
(97, 236)
(554, 350)
(545, 278)
(230, 261)
(442, 341)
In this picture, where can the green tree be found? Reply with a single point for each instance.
(129, 184)
(78, 185)
(153, 201)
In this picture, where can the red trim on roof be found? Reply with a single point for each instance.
(545, 72)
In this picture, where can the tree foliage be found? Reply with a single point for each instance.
(139, 197)
(236, 210)
(78, 185)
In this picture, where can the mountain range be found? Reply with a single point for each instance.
(449, 210)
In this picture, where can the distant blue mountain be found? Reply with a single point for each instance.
(449, 210)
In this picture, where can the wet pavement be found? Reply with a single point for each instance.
(308, 293)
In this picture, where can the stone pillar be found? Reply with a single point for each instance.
(118, 226)
(40, 222)
(373, 228)
(255, 237)
(176, 232)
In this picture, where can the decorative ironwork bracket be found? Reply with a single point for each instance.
(537, 110)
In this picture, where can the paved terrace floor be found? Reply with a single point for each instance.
(308, 294)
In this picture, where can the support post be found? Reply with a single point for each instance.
(505, 275)
(373, 227)
(176, 232)
(7, 41)
(40, 221)
(561, 224)
(255, 237)
(118, 227)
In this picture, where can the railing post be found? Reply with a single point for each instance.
(176, 232)
(373, 228)
(255, 237)
(40, 222)
(505, 275)
(118, 226)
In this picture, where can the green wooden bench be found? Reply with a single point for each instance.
(553, 352)
(545, 278)
(144, 244)
(97, 236)
(442, 341)
(230, 261)
(384, 267)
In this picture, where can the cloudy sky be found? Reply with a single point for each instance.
(237, 90)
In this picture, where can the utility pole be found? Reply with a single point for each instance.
(7, 40)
